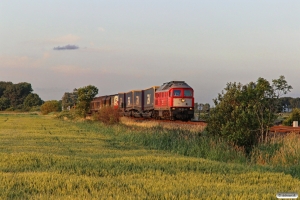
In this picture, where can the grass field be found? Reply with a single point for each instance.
(46, 158)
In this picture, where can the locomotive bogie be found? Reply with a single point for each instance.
(182, 113)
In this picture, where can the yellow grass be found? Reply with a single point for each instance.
(44, 158)
(167, 125)
(283, 151)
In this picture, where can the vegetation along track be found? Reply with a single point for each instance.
(191, 126)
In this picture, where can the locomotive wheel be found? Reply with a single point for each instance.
(155, 114)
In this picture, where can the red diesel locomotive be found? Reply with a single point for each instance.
(173, 100)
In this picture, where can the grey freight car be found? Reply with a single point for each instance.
(121, 102)
(148, 101)
(133, 102)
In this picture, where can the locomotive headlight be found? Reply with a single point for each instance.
(182, 100)
(191, 108)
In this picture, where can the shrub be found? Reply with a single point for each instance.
(67, 114)
(244, 113)
(108, 115)
(50, 106)
(35, 108)
(10, 109)
(294, 116)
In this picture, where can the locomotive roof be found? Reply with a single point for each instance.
(173, 84)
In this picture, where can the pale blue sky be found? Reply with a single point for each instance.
(125, 45)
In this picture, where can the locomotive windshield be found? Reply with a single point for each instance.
(177, 93)
(188, 93)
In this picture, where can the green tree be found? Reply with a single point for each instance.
(69, 99)
(244, 113)
(85, 96)
(3, 86)
(31, 100)
(4, 103)
(50, 106)
(295, 102)
(206, 107)
(17, 93)
(294, 116)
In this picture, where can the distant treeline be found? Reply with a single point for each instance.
(285, 104)
(18, 96)
(289, 103)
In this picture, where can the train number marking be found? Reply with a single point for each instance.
(116, 100)
(148, 98)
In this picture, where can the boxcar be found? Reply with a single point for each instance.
(122, 102)
(133, 102)
(148, 101)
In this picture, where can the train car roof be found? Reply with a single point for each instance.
(134, 91)
(173, 84)
(153, 87)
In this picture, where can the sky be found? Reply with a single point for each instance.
(122, 45)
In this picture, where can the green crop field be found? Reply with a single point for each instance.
(46, 158)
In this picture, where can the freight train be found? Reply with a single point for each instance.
(173, 100)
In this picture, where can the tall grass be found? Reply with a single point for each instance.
(108, 115)
(46, 158)
(187, 143)
(279, 151)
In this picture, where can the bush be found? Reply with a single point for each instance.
(67, 114)
(244, 113)
(50, 106)
(35, 108)
(294, 116)
(108, 115)
(10, 109)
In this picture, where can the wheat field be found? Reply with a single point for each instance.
(46, 158)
